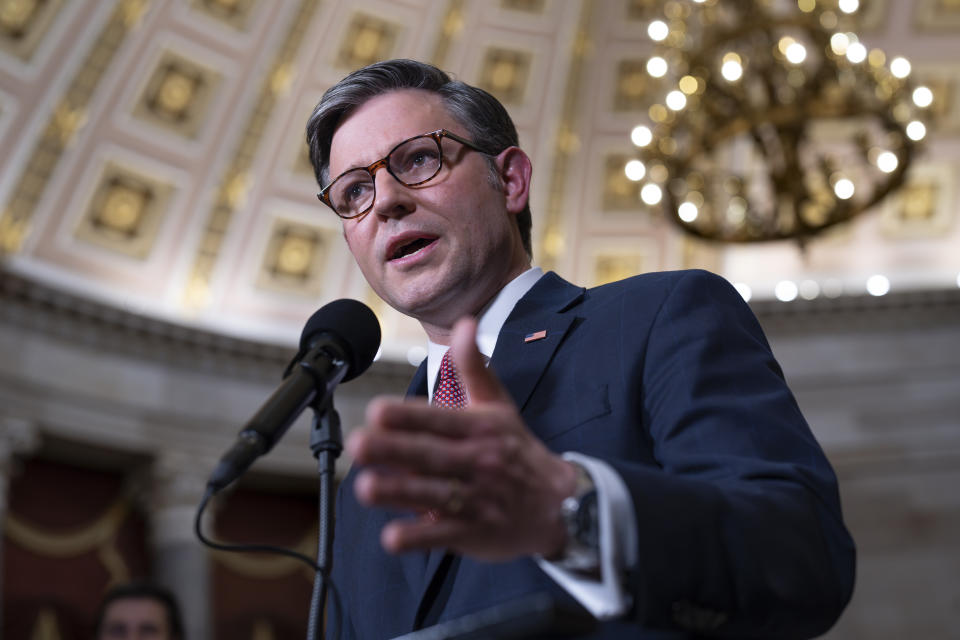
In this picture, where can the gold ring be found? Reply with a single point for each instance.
(454, 503)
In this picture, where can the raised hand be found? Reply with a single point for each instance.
(480, 482)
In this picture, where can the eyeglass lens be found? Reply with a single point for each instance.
(412, 162)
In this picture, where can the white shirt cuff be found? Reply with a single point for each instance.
(605, 597)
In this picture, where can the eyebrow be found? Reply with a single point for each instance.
(390, 147)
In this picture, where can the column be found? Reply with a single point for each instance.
(17, 436)
(180, 561)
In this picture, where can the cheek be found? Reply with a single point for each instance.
(359, 245)
(487, 225)
(348, 238)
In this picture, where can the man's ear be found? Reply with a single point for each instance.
(515, 172)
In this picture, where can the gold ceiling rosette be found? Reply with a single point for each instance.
(771, 119)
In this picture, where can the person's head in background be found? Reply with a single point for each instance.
(139, 611)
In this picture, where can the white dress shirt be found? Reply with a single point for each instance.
(605, 596)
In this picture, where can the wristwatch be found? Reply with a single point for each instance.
(581, 518)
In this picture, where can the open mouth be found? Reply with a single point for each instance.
(409, 248)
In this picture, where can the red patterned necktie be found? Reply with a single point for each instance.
(448, 392)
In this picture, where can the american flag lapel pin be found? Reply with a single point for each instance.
(536, 335)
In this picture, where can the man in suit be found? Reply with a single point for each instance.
(633, 447)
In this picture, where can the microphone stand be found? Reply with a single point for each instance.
(326, 443)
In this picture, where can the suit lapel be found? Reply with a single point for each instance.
(519, 362)
(414, 563)
(418, 385)
(434, 558)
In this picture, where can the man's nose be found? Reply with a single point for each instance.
(393, 198)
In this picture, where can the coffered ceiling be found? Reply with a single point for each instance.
(153, 152)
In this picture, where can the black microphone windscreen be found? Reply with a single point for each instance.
(354, 324)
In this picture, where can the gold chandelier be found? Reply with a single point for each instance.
(771, 119)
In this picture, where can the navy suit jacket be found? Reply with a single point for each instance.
(669, 379)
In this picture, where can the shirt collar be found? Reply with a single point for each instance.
(490, 322)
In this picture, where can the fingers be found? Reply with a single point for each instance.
(479, 381)
(410, 492)
(422, 533)
(386, 415)
(415, 452)
(399, 415)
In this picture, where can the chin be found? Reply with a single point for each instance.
(421, 305)
(414, 308)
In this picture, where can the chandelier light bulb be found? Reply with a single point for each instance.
(641, 135)
(856, 53)
(878, 285)
(887, 162)
(688, 212)
(922, 97)
(731, 71)
(833, 288)
(839, 43)
(900, 67)
(651, 194)
(415, 355)
(635, 170)
(658, 30)
(849, 6)
(785, 291)
(916, 130)
(809, 289)
(744, 290)
(689, 85)
(796, 53)
(676, 100)
(877, 58)
(659, 173)
(844, 188)
(657, 67)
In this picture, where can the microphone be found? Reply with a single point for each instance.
(338, 343)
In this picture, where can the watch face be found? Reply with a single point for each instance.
(588, 520)
(581, 516)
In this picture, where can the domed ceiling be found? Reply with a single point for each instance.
(153, 153)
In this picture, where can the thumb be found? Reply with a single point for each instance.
(479, 382)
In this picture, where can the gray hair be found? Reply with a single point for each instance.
(485, 119)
